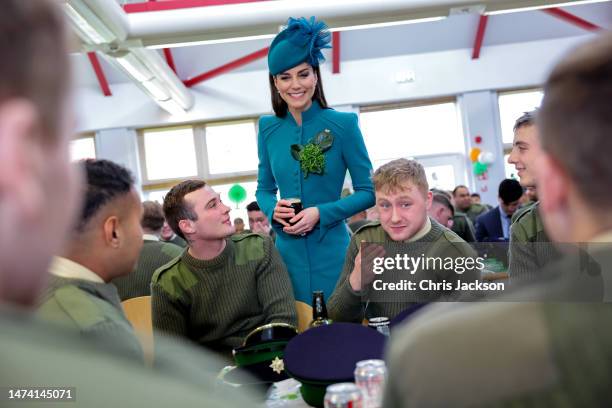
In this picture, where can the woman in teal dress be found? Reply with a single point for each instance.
(304, 152)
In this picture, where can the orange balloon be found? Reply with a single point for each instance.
(474, 154)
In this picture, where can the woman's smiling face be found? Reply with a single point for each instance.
(297, 86)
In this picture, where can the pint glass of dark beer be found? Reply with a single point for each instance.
(296, 204)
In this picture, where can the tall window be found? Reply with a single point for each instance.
(83, 148)
(412, 131)
(512, 105)
(169, 153)
(231, 148)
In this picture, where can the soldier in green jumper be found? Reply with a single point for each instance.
(224, 285)
(442, 206)
(463, 203)
(167, 235)
(530, 248)
(402, 199)
(154, 254)
(104, 245)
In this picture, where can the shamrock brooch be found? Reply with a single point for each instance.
(311, 156)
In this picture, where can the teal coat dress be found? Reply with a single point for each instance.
(314, 261)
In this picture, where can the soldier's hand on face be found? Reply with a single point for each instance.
(363, 270)
(262, 228)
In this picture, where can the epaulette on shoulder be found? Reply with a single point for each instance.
(369, 225)
(527, 212)
(241, 237)
(159, 271)
(249, 247)
(79, 306)
(451, 236)
(370, 232)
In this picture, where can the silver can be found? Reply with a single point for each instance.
(370, 377)
(343, 395)
(380, 324)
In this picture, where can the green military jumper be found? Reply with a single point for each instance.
(530, 248)
(91, 308)
(345, 304)
(217, 302)
(463, 227)
(153, 255)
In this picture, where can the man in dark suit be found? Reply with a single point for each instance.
(494, 225)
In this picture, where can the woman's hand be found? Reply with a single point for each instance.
(304, 221)
(283, 212)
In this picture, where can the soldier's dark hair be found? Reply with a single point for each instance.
(175, 206)
(106, 181)
(510, 190)
(526, 119)
(253, 206)
(458, 187)
(444, 200)
(475, 195)
(152, 216)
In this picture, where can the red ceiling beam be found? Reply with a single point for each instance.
(572, 19)
(482, 26)
(170, 59)
(178, 4)
(336, 52)
(227, 67)
(95, 63)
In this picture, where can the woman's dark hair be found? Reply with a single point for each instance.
(280, 106)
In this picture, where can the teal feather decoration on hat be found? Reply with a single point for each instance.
(301, 41)
(311, 33)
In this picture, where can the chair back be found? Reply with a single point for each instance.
(138, 312)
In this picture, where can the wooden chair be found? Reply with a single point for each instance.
(138, 312)
(304, 314)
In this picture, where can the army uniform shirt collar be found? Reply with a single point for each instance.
(150, 237)
(65, 268)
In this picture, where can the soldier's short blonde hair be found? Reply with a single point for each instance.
(392, 177)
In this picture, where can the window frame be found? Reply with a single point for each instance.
(507, 147)
(421, 103)
(86, 135)
(201, 156)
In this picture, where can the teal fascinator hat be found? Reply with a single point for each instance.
(302, 41)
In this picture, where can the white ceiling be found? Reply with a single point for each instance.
(454, 32)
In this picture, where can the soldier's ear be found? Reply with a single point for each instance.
(20, 156)
(110, 227)
(186, 226)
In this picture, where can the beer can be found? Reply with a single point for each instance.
(381, 324)
(343, 395)
(370, 377)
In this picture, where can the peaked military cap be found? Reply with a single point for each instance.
(328, 354)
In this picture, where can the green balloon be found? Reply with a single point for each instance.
(479, 168)
(237, 194)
